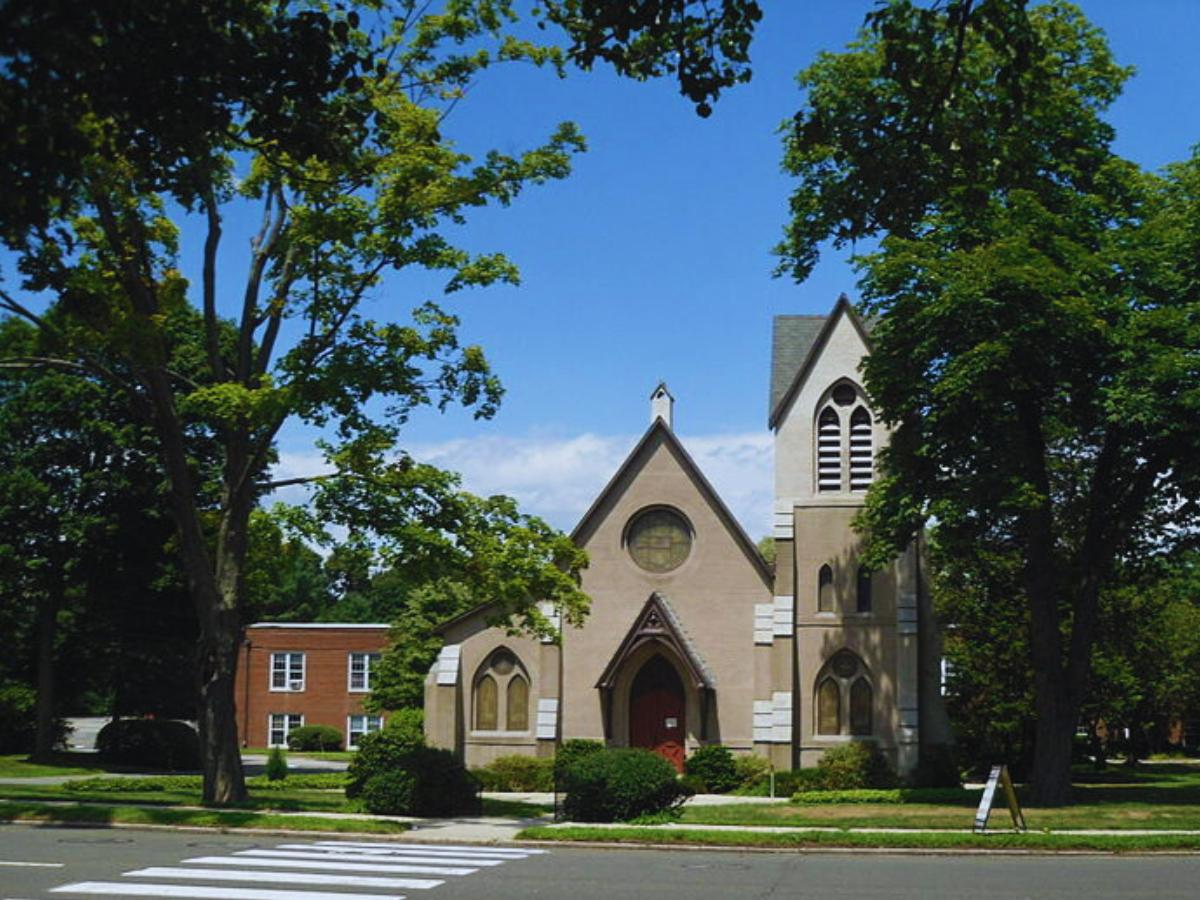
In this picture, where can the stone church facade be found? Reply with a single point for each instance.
(692, 638)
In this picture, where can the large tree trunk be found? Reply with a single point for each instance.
(1056, 719)
(47, 628)
(221, 755)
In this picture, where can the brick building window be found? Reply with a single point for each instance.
(362, 667)
(280, 725)
(357, 726)
(287, 671)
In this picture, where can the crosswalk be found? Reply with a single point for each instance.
(321, 870)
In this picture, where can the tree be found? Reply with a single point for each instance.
(1036, 310)
(329, 121)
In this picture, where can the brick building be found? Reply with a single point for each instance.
(293, 674)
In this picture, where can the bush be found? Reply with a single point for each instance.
(853, 766)
(314, 738)
(18, 719)
(713, 766)
(305, 781)
(149, 743)
(954, 796)
(517, 773)
(618, 785)
(787, 782)
(394, 776)
(693, 784)
(408, 725)
(750, 769)
(569, 753)
(277, 767)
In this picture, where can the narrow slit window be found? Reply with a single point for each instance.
(863, 604)
(825, 590)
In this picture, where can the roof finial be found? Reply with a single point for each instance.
(661, 404)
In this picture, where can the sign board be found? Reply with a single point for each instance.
(999, 776)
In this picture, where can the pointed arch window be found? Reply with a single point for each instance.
(845, 699)
(829, 707)
(517, 705)
(860, 706)
(863, 592)
(501, 693)
(829, 450)
(825, 595)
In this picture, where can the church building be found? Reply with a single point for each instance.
(693, 638)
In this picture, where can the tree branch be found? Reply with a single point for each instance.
(212, 239)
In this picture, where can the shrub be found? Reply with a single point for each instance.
(318, 738)
(407, 724)
(956, 796)
(517, 773)
(618, 785)
(856, 765)
(305, 781)
(693, 784)
(277, 767)
(393, 776)
(18, 719)
(751, 768)
(714, 767)
(787, 782)
(569, 753)
(150, 743)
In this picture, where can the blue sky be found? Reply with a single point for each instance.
(652, 261)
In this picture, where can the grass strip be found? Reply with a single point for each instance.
(202, 818)
(816, 839)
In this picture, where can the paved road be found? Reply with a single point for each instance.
(48, 863)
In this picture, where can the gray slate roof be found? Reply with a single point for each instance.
(690, 645)
(791, 342)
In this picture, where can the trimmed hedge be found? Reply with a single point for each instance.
(392, 775)
(618, 785)
(314, 738)
(155, 784)
(151, 743)
(517, 773)
(713, 768)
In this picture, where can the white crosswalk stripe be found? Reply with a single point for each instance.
(325, 853)
(309, 878)
(350, 870)
(332, 864)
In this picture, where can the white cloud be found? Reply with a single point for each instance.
(557, 478)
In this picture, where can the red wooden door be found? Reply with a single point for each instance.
(656, 707)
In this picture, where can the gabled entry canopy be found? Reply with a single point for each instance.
(657, 623)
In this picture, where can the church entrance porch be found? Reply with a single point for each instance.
(657, 711)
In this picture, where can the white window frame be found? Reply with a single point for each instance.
(370, 660)
(351, 743)
(291, 684)
(288, 728)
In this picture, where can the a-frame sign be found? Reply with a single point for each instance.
(999, 775)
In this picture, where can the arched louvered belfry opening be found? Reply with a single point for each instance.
(845, 442)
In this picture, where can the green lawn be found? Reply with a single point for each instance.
(18, 765)
(200, 818)
(630, 834)
(1151, 797)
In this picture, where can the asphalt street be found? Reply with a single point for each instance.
(48, 863)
